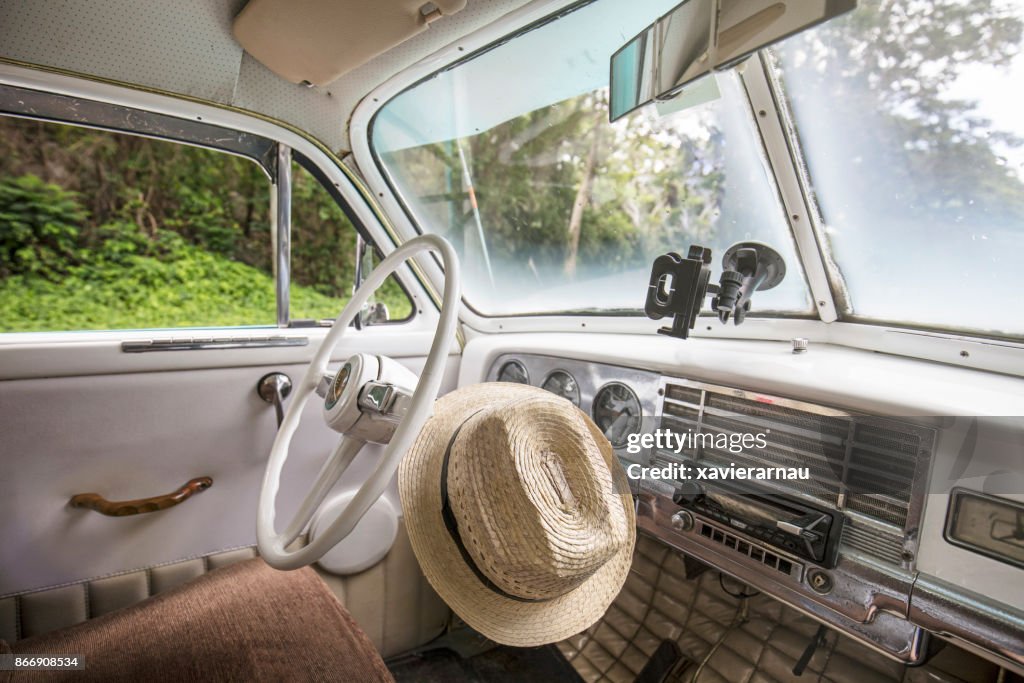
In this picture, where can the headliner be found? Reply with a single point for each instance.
(186, 47)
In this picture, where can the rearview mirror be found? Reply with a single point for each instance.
(701, 36)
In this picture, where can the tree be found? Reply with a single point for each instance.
(563, 194)
(887, 68)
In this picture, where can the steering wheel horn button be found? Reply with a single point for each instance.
(368, 397)
(338, 385)
(341, 405)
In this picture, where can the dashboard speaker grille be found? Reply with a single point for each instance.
(859, 463)
(874, 542)
(684, 394)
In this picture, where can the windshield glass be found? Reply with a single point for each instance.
(909, 116)
(552, 209)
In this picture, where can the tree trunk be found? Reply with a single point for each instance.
(582, 197)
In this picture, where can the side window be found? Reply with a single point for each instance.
(324, 258)
(102, 230)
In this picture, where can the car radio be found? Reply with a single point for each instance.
(791, 525)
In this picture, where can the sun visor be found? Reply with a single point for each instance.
(316, 41)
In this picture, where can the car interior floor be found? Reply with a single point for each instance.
(720, 630)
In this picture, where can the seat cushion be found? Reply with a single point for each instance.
(243, 622)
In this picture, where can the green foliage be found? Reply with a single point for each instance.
(187, 287)
(132, 290)
(323, 239)
(40, 227)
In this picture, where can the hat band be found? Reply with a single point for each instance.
(452, 525)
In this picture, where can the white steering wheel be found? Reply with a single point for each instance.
(368, 400)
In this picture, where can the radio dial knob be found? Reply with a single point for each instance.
(687, 492)
(682, 521)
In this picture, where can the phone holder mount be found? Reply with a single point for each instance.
(678, 285)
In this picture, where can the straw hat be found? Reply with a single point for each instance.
(537, 535)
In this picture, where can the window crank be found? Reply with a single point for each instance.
(273, 388)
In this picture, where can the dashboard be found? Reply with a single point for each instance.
(846, 545)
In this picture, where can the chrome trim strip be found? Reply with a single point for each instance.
(77, 111)
(282, 232)
(868, 601)
(199, 343)
(986, 627)
(750, 396)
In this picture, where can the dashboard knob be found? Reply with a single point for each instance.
(819, 580)
(682, 521)
(687, 492)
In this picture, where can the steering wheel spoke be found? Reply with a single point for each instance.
(384, 413)
(334, 466)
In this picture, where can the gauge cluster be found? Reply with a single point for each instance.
(616, 398)
(617, 412)
(513, 371)
(561, 383)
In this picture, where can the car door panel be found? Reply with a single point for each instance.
(139, 434)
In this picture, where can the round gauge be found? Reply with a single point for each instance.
(617, 412)
(513, 371)
(561, 383)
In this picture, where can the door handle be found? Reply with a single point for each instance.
(123, 508)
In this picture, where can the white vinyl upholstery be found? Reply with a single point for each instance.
(135, 435)
(32, 614)
(391, 601)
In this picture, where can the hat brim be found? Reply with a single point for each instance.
(502, 619)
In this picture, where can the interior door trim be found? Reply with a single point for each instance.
(199, 343)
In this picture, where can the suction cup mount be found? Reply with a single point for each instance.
(678, 285)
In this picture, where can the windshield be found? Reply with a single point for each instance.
(552, 209)
(909, 117)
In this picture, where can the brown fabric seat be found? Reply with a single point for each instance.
(246, 622)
